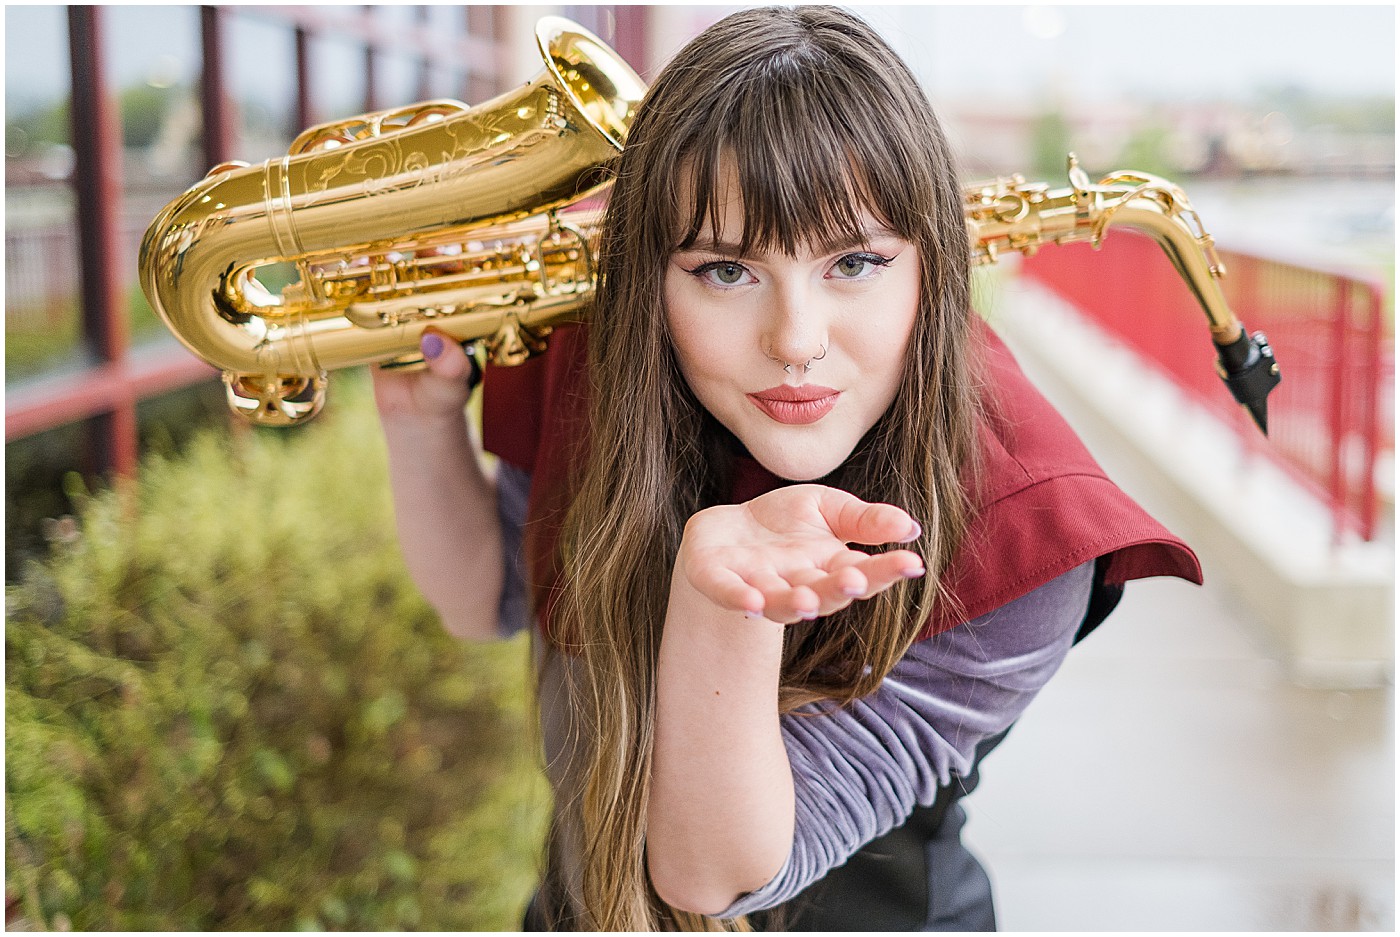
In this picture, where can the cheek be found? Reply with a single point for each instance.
(694, 335)
(904, 314)
(681, 325)
(879, 337)
(713, 336)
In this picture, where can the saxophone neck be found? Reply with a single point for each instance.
(1010, 214)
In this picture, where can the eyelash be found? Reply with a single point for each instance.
(875, 260)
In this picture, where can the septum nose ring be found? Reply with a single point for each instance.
(807, 365)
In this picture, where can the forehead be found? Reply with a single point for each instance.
(744, 214)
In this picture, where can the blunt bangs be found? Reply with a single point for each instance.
(810, 157)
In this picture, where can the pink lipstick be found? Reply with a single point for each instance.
(796, 406)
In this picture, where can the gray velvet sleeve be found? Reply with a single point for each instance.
(859, 772)
(512, 499)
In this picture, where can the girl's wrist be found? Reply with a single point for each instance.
(426, 429)
(698, 617)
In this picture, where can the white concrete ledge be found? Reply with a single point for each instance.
(1326, 610)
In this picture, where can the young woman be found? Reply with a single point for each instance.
(800, 541)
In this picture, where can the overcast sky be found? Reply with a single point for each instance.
(1197, 50)
(960, 50)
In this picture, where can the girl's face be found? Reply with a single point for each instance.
(797, 356)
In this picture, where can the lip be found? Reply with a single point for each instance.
(796, 406)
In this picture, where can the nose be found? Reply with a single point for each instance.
(797, 326)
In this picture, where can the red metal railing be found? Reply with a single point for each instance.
(1330, 418)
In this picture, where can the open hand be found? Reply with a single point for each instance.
(784, 555)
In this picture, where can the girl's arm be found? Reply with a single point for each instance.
(445, 509)
(857, 772)
(721, 807)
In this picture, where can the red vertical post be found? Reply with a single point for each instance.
(482, 77)
(1336, 408)
(305, 116)
(631, 38)
(97, 183)
(218, 128)
(1371, 396)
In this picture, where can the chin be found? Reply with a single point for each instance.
(797, 466)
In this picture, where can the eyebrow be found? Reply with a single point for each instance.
(844, 242)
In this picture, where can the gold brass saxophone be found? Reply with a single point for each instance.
(372, 229)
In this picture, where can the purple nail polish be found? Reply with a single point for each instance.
(431, 345)
(915, 534)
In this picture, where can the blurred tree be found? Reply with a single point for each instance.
(26, 133)
(1150, 149)
(1352, 114)
(143, 110)
(1051, 140)
(228, 709)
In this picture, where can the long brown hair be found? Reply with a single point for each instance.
(821, 120)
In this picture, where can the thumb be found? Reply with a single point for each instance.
(855, 521)
(447, 359)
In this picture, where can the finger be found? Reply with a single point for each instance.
(446, 358)
(727, 589)
(885, 569)
(451, 376)
(840, 588)
(830, 598)
(782, 599)
(855, 521)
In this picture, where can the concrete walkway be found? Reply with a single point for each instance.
(1175, 777)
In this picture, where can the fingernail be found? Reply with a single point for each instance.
(914, 534)
(853, 591)
(807, 616)
(431, 345)
(913, 572)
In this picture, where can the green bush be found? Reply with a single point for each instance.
(228, 709)
(40, 337)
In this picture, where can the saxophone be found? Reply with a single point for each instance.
(372, 229)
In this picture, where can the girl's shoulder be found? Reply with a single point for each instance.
(1044, 506)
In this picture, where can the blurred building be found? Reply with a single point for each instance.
(1215, 139)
